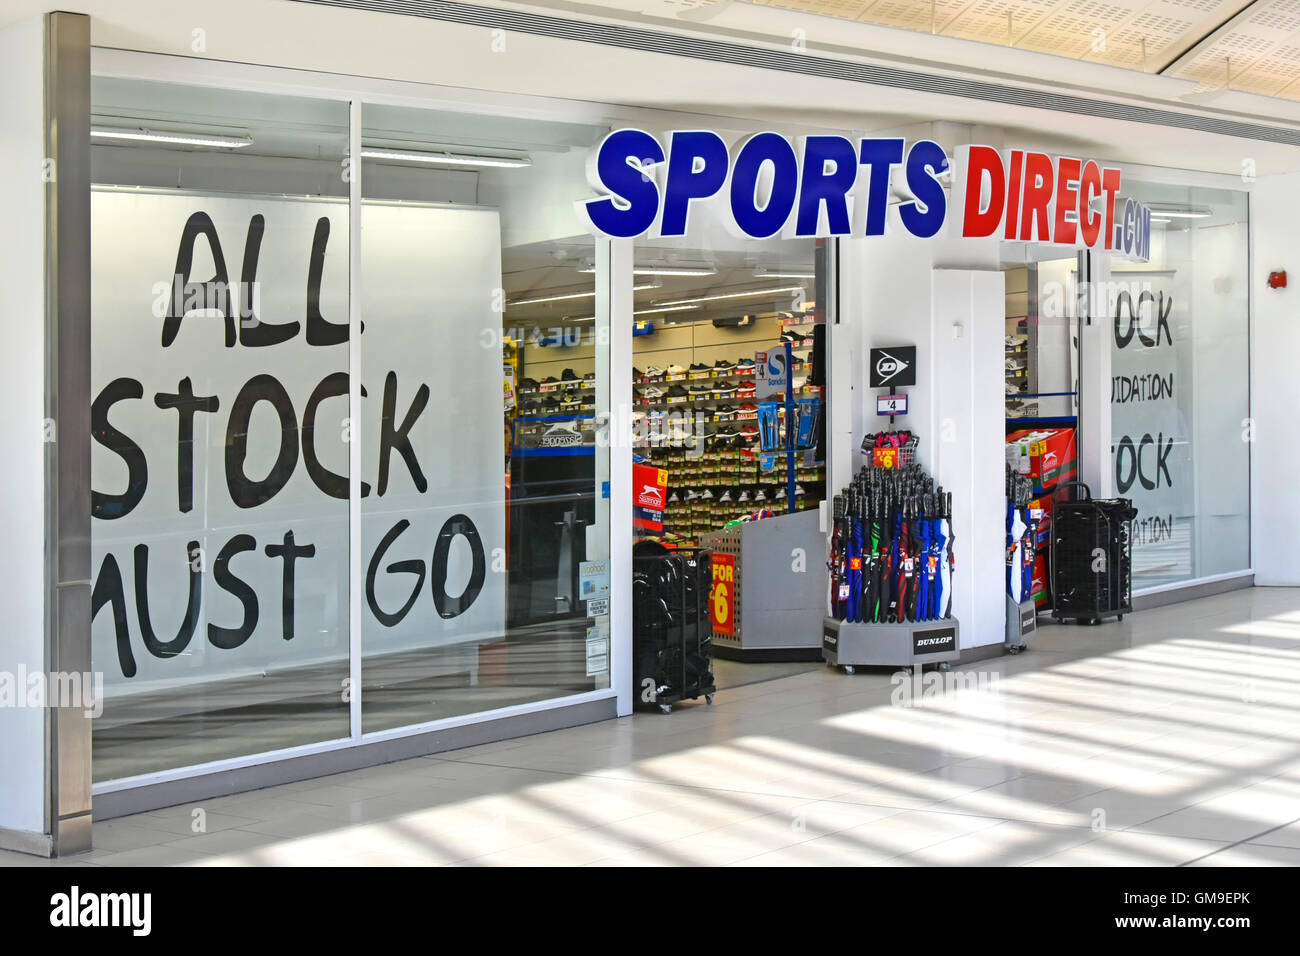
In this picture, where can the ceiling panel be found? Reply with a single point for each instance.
(1248, 46)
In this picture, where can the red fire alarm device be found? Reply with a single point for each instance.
(1277, 280)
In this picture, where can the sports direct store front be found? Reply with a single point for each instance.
(355, 451)
(371, 367)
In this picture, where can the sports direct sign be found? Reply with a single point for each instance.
(768, 186)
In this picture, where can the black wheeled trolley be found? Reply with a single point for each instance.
(1092, 563)
(672, 638)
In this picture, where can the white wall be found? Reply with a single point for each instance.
(967, 341)
(22, 368)
(1275, 338)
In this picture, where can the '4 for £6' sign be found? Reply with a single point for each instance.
(722, 597)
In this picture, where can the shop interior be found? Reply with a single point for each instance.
(700, 318)
(705, 316)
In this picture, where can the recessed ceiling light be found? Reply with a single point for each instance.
(1169, 212)
(655, 270)
(747, 294)
(761, 273)
(170, 137)
(651, 311)
(664, 308)
(444, 158)
(564, 297)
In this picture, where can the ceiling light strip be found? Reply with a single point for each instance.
(170, 137)
(564, 297)
(445, 159)
(746, 294)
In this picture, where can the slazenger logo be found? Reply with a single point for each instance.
(1049, 458)
(650, 496)
(131, 910)
(887, 366)
(561, 435)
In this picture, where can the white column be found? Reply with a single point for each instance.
(1096, 467)
(355, 647)
(24, 769)
(1275, 343)
(969, 407)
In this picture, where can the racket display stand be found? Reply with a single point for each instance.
(848, 646)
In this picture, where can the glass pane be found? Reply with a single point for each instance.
(485, 538)
(715, 313)
(1180, 387)
(219, 465)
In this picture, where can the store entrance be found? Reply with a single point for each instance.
(1042, 446)
(729, 420)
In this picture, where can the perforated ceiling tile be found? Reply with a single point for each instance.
(1255, 83)
(1153, 23)
(1263, 45)
(1282, 21)
(1234, 43)
(842, 9)
(986, 30)
(1211, 69)
(1279, 69)
(1098, 11)
(1052, 36)
(1202, 6)
(1281, 15)
(898, 13)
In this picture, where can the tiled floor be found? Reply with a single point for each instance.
(1172, 738)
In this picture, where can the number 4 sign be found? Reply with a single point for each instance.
(722, 597)
(891, 405)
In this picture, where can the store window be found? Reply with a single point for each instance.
(487, 538)
(224, 424)
(219, 465)
(1180, 386)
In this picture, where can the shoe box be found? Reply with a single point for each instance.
(1049, 456)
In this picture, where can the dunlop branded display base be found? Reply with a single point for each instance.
(912, 644)
(1022, 624)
